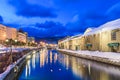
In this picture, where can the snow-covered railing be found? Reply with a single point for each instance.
(10, 67)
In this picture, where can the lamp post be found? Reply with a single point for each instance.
(16, 41)
(9, 41)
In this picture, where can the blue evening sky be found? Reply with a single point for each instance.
(57, 18)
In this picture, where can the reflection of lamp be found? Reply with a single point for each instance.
(51, 56)
(28, 69)
(33, 60)
(55, 57)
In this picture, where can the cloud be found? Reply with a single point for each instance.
(46, 29)
(62, 2)
(1, 19)
(114, 11)
(25, 9)
(86, 14)
(80, 23)
(48, 24)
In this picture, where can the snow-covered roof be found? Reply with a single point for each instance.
(88, 30)
(107, 26)
(76, 36)
(72, 37)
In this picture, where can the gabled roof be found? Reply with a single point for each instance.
(107, 26)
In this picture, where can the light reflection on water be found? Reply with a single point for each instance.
(51, 65)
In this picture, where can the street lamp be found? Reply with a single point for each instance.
(16, 40)
(16, 43)
(10, 45)
(9, 41)
(6, 40)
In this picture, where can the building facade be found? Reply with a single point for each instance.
(11, 33)
(2, 33)
(22, 37)
(104, 38)
(110, 40)
(31, 40)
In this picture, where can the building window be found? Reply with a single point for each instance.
(88, 40)
(113, 35)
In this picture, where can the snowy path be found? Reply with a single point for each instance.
(4, 50)
(109, 55)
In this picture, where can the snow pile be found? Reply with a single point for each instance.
(4, 50)
(10, 67)
(88, 30)
(109, 55)
(4, 74)
(72, 37)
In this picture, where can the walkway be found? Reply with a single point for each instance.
(111, 56)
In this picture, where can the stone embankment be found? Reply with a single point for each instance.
(16, 70)
(91, 57)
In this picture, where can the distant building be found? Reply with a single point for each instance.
(22, 37)
(2, 33)
(11, 33)
(31, 40)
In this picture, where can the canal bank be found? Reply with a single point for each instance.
(54, 65)
(104, 57)
(16, 68)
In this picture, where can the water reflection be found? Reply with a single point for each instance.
(43, 55)
(33, 61)
(51, 57)
(90, 70)
(51, 65)
(55, 57)
(28, 69)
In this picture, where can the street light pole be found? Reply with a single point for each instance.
(11, 51)
(10, 45)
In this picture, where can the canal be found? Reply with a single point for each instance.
(52, 65)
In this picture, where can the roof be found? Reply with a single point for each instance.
(107, 26)
(115, 24)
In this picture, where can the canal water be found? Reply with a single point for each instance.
(52, 65)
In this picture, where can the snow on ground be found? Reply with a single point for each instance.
(10, 67)
(112, 56)
(4, 74)
(4, 50)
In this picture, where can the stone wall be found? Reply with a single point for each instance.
(14, 75)
(99, 59)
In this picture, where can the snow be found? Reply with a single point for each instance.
(4, 50)
(10, 67)
(107, 26)
(72, 37)
(88, 30)
(115, 57)
(4, 74)
(109, 69)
